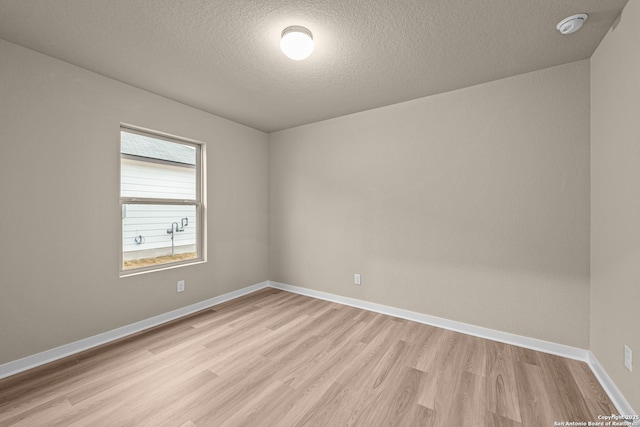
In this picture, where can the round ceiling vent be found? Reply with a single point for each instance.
(572, 23)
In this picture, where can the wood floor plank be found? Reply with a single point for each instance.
(263, 408)
(373, 395)
(174, 409)
(421, 417)
(102, 415)
(349, 408)
(594, 396)
(440, 384)
(475, 361)
(395, 407)
(358, 373)
(428, 345)
(167, 391)
(467, 408)
(495, 420)
(21, 396)
(320, 412)
(39, 414)
(275, 358)
(535, 402)
(316, 382)
(525, 355)
(563, 389)
(501, 389)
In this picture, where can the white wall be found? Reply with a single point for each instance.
(471, 205)
(615, 201)
(59, 208)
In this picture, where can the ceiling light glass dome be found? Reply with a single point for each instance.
(296, 42)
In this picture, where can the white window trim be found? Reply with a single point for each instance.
(198, 202)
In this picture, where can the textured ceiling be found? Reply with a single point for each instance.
(223, 56)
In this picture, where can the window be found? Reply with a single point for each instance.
(160, 201)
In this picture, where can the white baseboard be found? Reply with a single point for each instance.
(610, 388)
(531, 343)
(29, 362)
(465, 328)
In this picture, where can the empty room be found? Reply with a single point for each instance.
(327, 213)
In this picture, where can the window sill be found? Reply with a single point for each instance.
(154, 269)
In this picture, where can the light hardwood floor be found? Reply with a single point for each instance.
(274, 358)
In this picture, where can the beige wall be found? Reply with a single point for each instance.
(615, 201)
(471, 205)
(59, 212)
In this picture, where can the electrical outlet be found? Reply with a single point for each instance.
(180, 285)
(628, 358)
(356, 279)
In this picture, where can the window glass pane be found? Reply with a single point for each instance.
(155, 168)
(157, 234)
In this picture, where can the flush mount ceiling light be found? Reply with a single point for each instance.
(296, 42)
(572, 23)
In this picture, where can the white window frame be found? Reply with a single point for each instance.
(198, 202)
